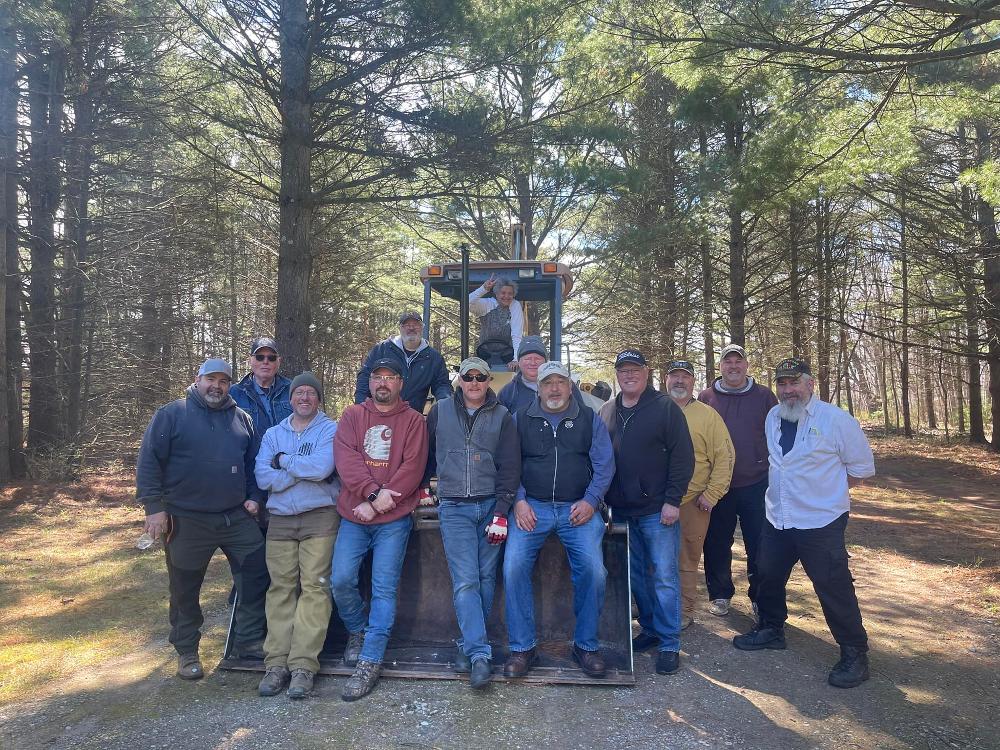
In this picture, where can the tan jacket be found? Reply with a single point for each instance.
(714, 454)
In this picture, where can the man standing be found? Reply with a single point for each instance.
(743, 405)
(264, 395)
(475, 450)
(421, 365)
(714, 457)
(501, 320)
(653, 465)
(521, 391)
(381, 454)
(817, 452)
(566, 467)
(195, 477)
(295, 464)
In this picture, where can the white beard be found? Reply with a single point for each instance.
(679, 391)
(791, 413)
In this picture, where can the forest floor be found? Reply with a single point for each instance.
(84, 661)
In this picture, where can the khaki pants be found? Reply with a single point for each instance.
(694, 525)
(297, 622)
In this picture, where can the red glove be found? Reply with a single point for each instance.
(496, 532)
(424, 496)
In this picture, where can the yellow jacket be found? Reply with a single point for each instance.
(714, 454)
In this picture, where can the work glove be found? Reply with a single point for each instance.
(424, 497)
(496, 532)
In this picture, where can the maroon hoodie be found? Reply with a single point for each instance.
(374, 450)
(744, 414)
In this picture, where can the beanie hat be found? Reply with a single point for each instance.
(306, 378)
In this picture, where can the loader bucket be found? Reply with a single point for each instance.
(423, 638)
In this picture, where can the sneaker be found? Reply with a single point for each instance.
(481, 672)
(189, 667)
(363, 680)
(852, 669)
(667, 662)
(252, 651)
(301, 684)
(644, 641)
(686, 621)
(352, 651)
(761, 638)
(719, 607)
(273, 682)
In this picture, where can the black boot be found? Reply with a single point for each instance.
(852, 669)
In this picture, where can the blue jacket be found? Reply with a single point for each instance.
(425, 371)
(196, 459)
(574, 462)
(301, 483)
(249, 400)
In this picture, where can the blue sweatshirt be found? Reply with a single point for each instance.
(196, 459)
(306, 464)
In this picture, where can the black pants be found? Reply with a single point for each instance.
(823, 554)
(194, 541)
(745, 504)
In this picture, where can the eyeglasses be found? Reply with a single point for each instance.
(384, 378)
(267, 357)
(478, 378)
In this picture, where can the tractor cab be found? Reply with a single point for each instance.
(542, 283)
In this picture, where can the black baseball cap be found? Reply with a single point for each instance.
(388, 363)
(410, 315)
(680, 364)
(630, 357)
(792, 368)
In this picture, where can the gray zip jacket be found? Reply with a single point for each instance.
(307, 464)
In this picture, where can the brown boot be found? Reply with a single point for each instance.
(519, 663)
(189, 667)
(590, 662)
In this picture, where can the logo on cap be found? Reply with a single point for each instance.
(630, 356)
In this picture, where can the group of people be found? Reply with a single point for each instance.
(296, 501)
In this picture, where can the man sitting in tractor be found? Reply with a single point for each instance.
(501, 321)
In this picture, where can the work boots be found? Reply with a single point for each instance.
(363, 680)
(301, 684)
(273, 682)
(352, 652)
(852, 669)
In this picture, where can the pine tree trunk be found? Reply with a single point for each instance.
(295, 204)
(8, 225)
(46, 80)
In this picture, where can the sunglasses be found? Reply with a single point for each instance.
(478, 378)
(266, 357)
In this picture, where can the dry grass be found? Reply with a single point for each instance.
(74, 591)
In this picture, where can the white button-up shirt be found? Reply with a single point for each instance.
(807, 487)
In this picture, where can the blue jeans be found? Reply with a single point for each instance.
(655, 576)
(388, 544)
(586, 563)
(472, 561)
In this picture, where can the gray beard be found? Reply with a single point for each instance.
(214, 401)
(411, 342)
(791, 413)
(680, 392)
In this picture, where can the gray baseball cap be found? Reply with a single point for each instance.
(212, 366)
(552, 368)
(473, 363)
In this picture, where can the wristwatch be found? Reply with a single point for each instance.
(372, 497)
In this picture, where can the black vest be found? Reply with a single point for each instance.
(556, 467)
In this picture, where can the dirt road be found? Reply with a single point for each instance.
(85, 670)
